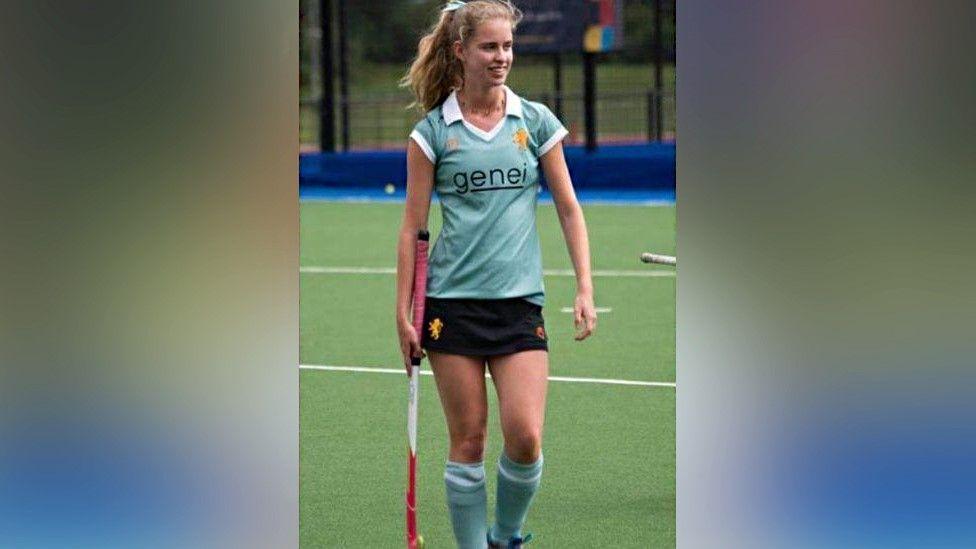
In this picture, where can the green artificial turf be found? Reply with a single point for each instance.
(610, 449)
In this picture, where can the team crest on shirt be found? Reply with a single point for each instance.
(452, 144)
(521, 138)
(435, 328)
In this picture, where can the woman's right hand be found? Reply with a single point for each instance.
(409, 344)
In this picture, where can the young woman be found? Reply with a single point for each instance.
(481, 146)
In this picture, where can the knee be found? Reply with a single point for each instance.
(524, 446)
(469, 447)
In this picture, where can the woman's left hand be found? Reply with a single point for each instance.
(584, 314)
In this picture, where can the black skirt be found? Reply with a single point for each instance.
(483, 327)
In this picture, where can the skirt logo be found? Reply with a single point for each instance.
(435, 328)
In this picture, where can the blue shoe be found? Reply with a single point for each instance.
(514, 543)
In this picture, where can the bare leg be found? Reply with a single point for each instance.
(521, 383)
(520, 380)
(461, 384)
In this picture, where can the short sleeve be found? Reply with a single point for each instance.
(423, 135)
(550, 130)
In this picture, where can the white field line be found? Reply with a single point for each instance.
(599, 310)
(646, 273)
(402, 371)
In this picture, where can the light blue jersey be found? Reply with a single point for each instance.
(488, 184)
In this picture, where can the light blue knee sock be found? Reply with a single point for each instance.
(467, 501)
(517, 484)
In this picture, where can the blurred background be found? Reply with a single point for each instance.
(150, 304)
(354, 52)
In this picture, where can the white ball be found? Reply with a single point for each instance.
(390, 189)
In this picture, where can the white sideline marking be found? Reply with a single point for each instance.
(597, 309)
(487, 376)
(348, 270)
(649, 273)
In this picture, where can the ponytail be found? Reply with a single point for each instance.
(435, 72)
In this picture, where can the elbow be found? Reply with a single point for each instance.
(570, 213)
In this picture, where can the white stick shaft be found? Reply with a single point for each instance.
(658, 258)
(412, 408)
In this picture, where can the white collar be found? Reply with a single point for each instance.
(452, 110)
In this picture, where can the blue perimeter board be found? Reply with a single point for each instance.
(634, 174)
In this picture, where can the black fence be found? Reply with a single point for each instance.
(634, 87)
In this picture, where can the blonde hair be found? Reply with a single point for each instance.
(436, 71)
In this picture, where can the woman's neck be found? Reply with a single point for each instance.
(485, 101)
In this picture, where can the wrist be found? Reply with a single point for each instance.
(403, 319)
